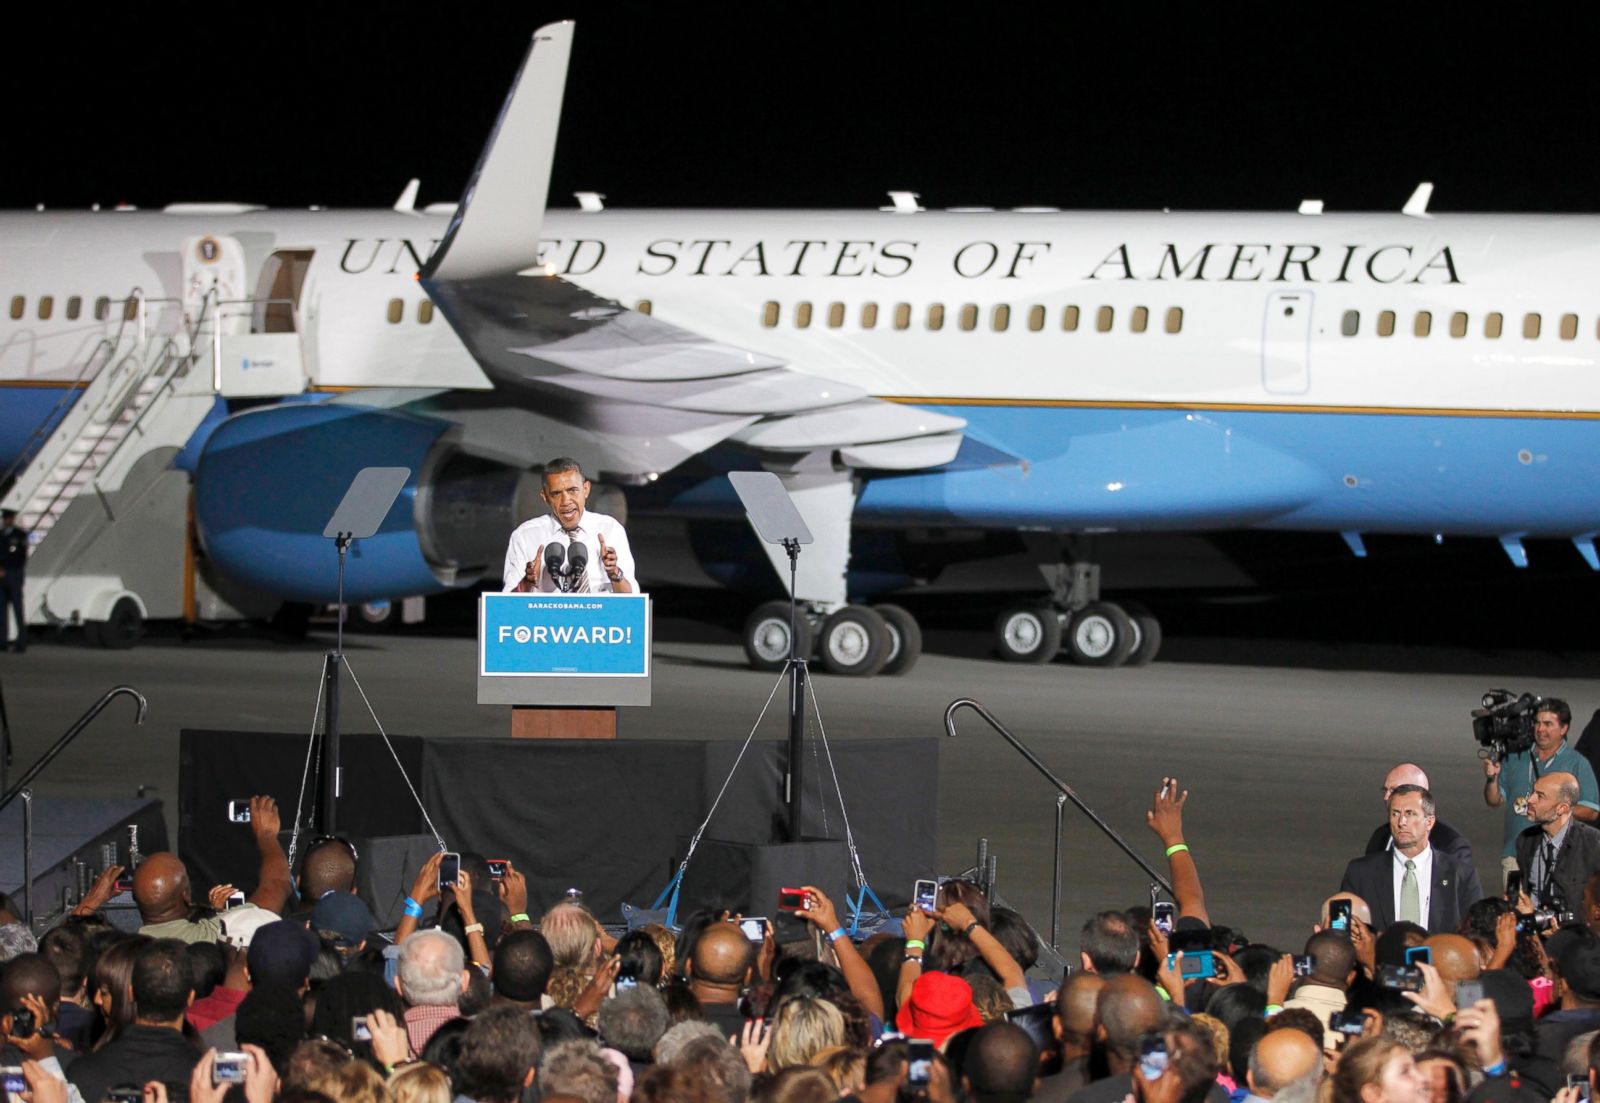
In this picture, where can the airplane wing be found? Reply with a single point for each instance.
(652, 393)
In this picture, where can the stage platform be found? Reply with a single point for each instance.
(606, 817)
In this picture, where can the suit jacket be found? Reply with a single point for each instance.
(1455, 889)
(1443, 837)
(1578, 857)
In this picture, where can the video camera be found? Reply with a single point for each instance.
(1504, 724)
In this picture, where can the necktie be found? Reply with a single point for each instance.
(1410, 897)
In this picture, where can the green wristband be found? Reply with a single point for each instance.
(1175, 847)
(916, 944)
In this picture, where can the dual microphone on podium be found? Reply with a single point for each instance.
(567, 565)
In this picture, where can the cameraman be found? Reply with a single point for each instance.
(1511, 781)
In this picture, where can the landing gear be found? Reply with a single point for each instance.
(905, 639)
(1100, 634)
(1092, 632)
(854, 641)
(1028, 633)
(766, 635)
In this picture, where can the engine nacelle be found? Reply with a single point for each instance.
(269, 480)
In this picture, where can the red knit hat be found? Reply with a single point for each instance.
(940, 1005)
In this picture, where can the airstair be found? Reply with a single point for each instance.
(107, 512)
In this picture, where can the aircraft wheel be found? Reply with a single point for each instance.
(854, 641)
(121, 630)
(1099, 634)
(766, 636)
(905, 638)
(1027, 634)
(373, 616)
(1146, 635)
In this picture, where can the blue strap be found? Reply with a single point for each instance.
(674, 886)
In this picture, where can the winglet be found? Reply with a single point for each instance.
(1417, 205)
(407, 203)
(495, 231)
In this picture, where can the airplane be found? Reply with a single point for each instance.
(189, 391)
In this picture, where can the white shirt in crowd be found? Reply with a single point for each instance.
(532, 535)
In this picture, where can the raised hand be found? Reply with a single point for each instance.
(1166, 812)
(530, 575)
(264, 819)
(608, 558)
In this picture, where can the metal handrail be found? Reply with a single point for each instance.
(1061, 786)
(68, 736)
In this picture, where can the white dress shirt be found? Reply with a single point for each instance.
(532, 535)
(1424, 862)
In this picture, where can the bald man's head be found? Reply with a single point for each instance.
(1279, 1058)
(29, 975)
(1076, 1004)
(1455, 957)
(330, 866)
(723, 955)
(161, 888)
(1358, 907)
(1128, 1009)
(1407, 773)
(1333, 956)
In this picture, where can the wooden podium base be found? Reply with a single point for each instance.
(545, 722)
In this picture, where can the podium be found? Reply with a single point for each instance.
(564, 662)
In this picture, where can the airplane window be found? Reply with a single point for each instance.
(19, 306)
(102, 308)
(1458, 324)
(969, 316)
(769, 315)
(1140, 321)
(1174, 319)
(1069, 319)
(902, 315)
(397, 310)
(1569, 326)
(425, 311)
(1000, 319)
(47, 307)
(1036, 318)
(936, 316)
(1103, 319)
(1423, 324)
(835, 315)
(645, 306)
(802, 315)
(1350, 324)
(74, 307)
(1492, 324)
(1386, 323)
(1530, 326)
(869, 315)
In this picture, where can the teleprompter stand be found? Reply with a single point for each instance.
(359, 516)
(776, 520)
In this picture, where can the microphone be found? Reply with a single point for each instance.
(554, 555)
(577, 562)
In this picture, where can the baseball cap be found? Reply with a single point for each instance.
(345, 915)
(240, 924)
(281, 953)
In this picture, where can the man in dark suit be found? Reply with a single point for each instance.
(1443, 837)
(13, 568)
(1413, 881)
(1559, 852)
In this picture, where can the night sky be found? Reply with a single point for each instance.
(1251, 106)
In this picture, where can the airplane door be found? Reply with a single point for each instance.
(1286, 343)
(215, 263)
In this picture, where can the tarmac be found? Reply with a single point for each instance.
(1281, 745)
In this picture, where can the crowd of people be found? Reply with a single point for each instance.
(1414, 985)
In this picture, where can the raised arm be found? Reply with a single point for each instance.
(995, 956)
(857, 973)
(273, 884)
(1166, 820)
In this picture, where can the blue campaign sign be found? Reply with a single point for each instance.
(565, 635)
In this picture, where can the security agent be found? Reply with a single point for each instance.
(545, 553)
(1511, 782)
(13, 572)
